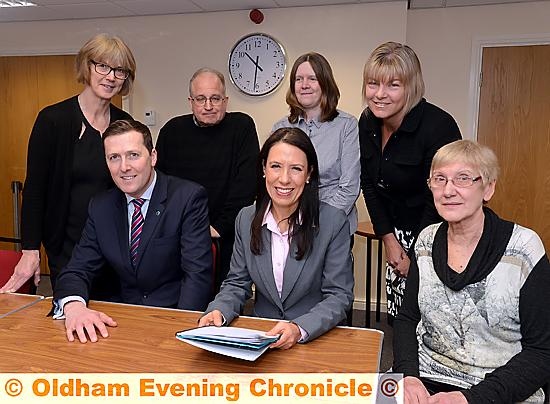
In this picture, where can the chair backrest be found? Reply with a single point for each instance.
(8, 261)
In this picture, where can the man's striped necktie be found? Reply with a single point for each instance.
(137, 226)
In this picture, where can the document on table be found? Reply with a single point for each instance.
(241, 343)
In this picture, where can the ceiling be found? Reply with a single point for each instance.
(79, 9)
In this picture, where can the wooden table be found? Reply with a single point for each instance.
(144, 341)
(365, 229)
(13, 302)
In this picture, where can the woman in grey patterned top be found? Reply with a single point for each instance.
(475, 324)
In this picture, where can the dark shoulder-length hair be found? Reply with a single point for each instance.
(329, 88)
(304, 221)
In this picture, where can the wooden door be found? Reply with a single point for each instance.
(514, 120)
(27, 84)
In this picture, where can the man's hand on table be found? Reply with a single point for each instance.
(84, 321)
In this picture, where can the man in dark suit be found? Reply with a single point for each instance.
(153, 229)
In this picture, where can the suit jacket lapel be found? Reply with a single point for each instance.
(154, 213)
(265, 268)
(293, 268)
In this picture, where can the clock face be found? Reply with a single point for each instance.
(257, 64)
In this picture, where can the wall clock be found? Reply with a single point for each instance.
(257, 64)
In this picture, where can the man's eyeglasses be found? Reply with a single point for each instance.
(104, 70)
(200, 100)
(460, 181)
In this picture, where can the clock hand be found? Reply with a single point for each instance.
(254, 61)
(256, 72)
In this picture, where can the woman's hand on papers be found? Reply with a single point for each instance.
(215, 317)
(82, 320)
(290, 334)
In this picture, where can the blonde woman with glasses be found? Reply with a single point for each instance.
(66, 163)
(474, 326)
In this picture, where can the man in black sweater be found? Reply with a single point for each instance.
(216, 149)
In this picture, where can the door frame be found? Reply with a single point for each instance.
(478, 44)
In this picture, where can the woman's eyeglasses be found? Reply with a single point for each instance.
(460, 181)
(104, 70)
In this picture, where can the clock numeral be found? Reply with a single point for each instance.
(257, 43)
(278, 64)
(237, 65)
(247, 46)
(275, 53)
(241, 54)
(274, 75)
(240, 75)
(267, 83)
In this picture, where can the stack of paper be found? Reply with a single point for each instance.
(236, 342)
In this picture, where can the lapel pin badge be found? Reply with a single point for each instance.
(157, 212)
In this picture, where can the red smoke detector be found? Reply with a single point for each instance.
(256, 16)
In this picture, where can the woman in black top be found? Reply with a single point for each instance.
(399, 133)
(66, 163)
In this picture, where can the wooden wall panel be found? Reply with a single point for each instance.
(18, 107)
(514, 119)
(56, 79)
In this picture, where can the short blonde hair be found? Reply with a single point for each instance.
(393, 60)
(471, 153)
(106, 48)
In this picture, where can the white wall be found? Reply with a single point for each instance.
(168, 49)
